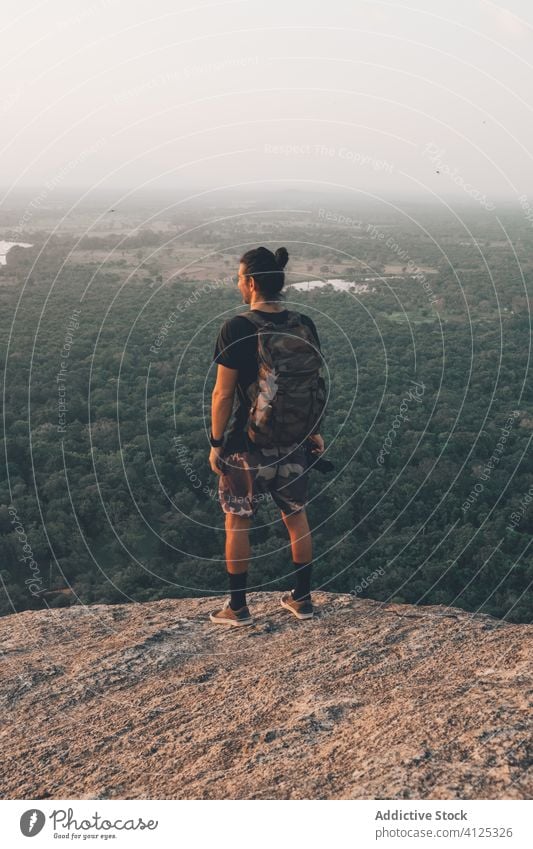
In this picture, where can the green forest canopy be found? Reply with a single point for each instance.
(118, 503)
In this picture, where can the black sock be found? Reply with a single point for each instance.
(302, 589)
(237, 585)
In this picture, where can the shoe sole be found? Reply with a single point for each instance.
(294, 613)
(233, 623)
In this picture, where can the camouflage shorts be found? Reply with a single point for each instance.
(250, 477)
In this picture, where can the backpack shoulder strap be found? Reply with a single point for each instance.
(253, 318)
(258, 320)
(293, 318)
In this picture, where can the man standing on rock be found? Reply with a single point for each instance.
(271, 358)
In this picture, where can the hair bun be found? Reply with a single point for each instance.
(282, 257)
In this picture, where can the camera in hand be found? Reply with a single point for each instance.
(315, 461)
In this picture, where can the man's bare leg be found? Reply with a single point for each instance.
(302, 552)
(237, 544)
(300, 535)
(237, 558)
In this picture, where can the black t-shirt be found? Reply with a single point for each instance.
(236, 347)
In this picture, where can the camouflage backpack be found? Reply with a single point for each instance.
(289, 395)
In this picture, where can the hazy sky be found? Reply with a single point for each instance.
(379, 96)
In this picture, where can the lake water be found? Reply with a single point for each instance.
(345, 285)
(339, 285)
(5, 247)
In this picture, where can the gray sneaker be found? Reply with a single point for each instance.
(234, 618)
(300, 609)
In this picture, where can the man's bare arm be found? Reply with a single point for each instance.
(221, 408)
(222, 399)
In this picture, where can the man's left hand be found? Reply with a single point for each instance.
(214, 455)
(318, 442)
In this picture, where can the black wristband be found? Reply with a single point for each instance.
(215, 443)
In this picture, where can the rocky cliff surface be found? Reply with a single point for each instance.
(369, 700)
